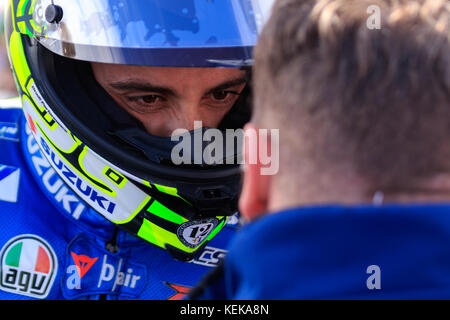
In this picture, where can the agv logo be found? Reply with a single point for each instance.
(28, 266)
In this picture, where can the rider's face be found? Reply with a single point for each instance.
(165, 99)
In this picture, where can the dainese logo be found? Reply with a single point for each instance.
(28, 266)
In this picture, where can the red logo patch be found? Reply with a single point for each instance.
(181, 291)
(83, 263)
(31, 122)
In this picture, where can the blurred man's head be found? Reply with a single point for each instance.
(359, 109)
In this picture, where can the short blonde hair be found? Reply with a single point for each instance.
(379, 98)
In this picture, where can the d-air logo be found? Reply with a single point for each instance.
(192, 233)
(9, 183)
(28, 266)
(109, 273)
(91, 270)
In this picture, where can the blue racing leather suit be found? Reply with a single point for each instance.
(53, 246)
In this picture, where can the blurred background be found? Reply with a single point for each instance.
(7, 86)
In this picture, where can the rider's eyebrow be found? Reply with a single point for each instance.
(228, 84)
(139, 85)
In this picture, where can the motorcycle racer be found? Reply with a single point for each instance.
(93, 206)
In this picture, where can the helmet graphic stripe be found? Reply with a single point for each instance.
(159, 235)
(163, 212)
(142, 207)
(73, 159)
(19, 62)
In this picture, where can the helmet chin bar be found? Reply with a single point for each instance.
(208, 202)
(176, 228)
(193, 221)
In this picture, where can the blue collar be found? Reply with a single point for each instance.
(326, 252)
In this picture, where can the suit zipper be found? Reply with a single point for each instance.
(112, 247)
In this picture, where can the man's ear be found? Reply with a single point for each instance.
(254, 198)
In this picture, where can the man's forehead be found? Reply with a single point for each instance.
(123, 77)
(145, 71)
